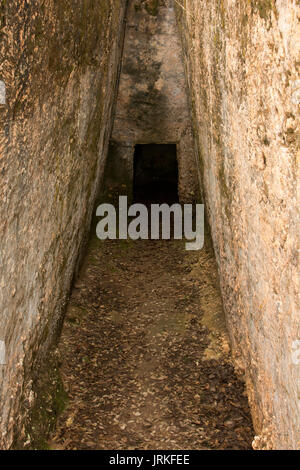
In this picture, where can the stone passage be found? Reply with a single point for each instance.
(84, 83)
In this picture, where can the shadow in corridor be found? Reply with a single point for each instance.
(155, 174)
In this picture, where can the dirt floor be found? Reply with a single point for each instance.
(146, 361)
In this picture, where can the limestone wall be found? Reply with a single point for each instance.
(58, 76)
(242, 63)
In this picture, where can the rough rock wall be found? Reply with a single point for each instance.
(152, 104)
(58, 76)
(242, 61)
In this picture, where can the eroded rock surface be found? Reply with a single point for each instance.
(58, 75)
(242, 62)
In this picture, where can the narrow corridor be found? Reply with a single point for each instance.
(145, 357)
(165, 101)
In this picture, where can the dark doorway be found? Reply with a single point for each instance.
(155, 173)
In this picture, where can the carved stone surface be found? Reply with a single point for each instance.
(59, 61)
(242, 62)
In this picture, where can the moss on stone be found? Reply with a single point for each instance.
(152, 7)
(264, 8)
(226, 194)
(223, 14)
(137, 7)
(49, 402)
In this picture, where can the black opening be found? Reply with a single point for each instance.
(155, 173)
